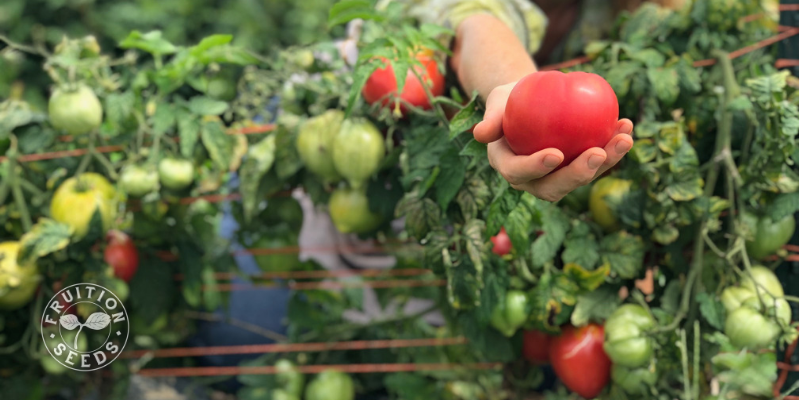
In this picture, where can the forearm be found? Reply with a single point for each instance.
(488, 54)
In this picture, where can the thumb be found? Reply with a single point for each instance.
(491, 128)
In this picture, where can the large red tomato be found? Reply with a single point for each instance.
(579, 360)
(536, 346)
(382, 85)
(571, 112)
(501, 243)
(121, 255)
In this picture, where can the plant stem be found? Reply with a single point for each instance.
(687, 395)
(696, 364)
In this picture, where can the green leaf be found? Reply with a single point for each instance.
(474, 148)
(209, 42)
(624, 253)
(518, 228)
(151, 42)
(500, 209)
(740, 103)
(421, 215)
(188, 132)
(212, 298)
(287, 159)
(163, 119)
(348, 10)
(360, 76)
(621, 75)
(651, 58)
(685, 158)
(152, 289)
(690, 76)
(44, 238)
(644, 151)
(712, 310)
(227, 55)
(117, 107)
(473, 236)
(259, 160)
(465, 119)
(665, 83)
(218, 143)
(473, 197)
(587, 279)
(554, 228)
(451, 178)
(665, 234)
(581, 247)
(595, 306)
(202, 105)
(783, 205)
(463, 290)
(685, 190)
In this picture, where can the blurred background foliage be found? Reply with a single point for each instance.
(263, 26)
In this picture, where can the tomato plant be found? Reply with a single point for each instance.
(315, 144)
(121, 255)
(579, 360)
(756, 310)
(381, 86)
(571, 112)
(75, 110)
(77, 200)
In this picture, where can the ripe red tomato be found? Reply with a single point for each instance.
(536, 347)
(502, 243)
(571, 112)
(382, 85)
(121, 255)
(579, 360)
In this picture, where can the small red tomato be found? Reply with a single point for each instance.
(579, 360)
(382, 85)
(121, 255)
(571, 112)
(536, 347)
(502, 243)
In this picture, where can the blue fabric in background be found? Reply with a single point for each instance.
(263, 307)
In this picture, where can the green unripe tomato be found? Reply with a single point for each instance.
(138, 181)
(175, 173)
(509, 315)
(748, 328)
(626, 340)
(331, 385)
(358, 151)
(75, 111)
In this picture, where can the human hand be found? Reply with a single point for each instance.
(530, 172)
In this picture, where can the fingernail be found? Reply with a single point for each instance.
(595, 161)
(622, 147)
(551, 161)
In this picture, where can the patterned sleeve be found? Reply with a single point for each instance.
(522, 16)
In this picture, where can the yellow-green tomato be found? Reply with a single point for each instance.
(349, 209)
(78, 198)
(18, 283)
(605, 195)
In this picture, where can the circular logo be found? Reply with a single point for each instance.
(85, 327)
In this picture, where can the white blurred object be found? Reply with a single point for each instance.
(318, 236)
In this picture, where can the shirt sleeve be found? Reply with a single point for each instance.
(524, 18)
